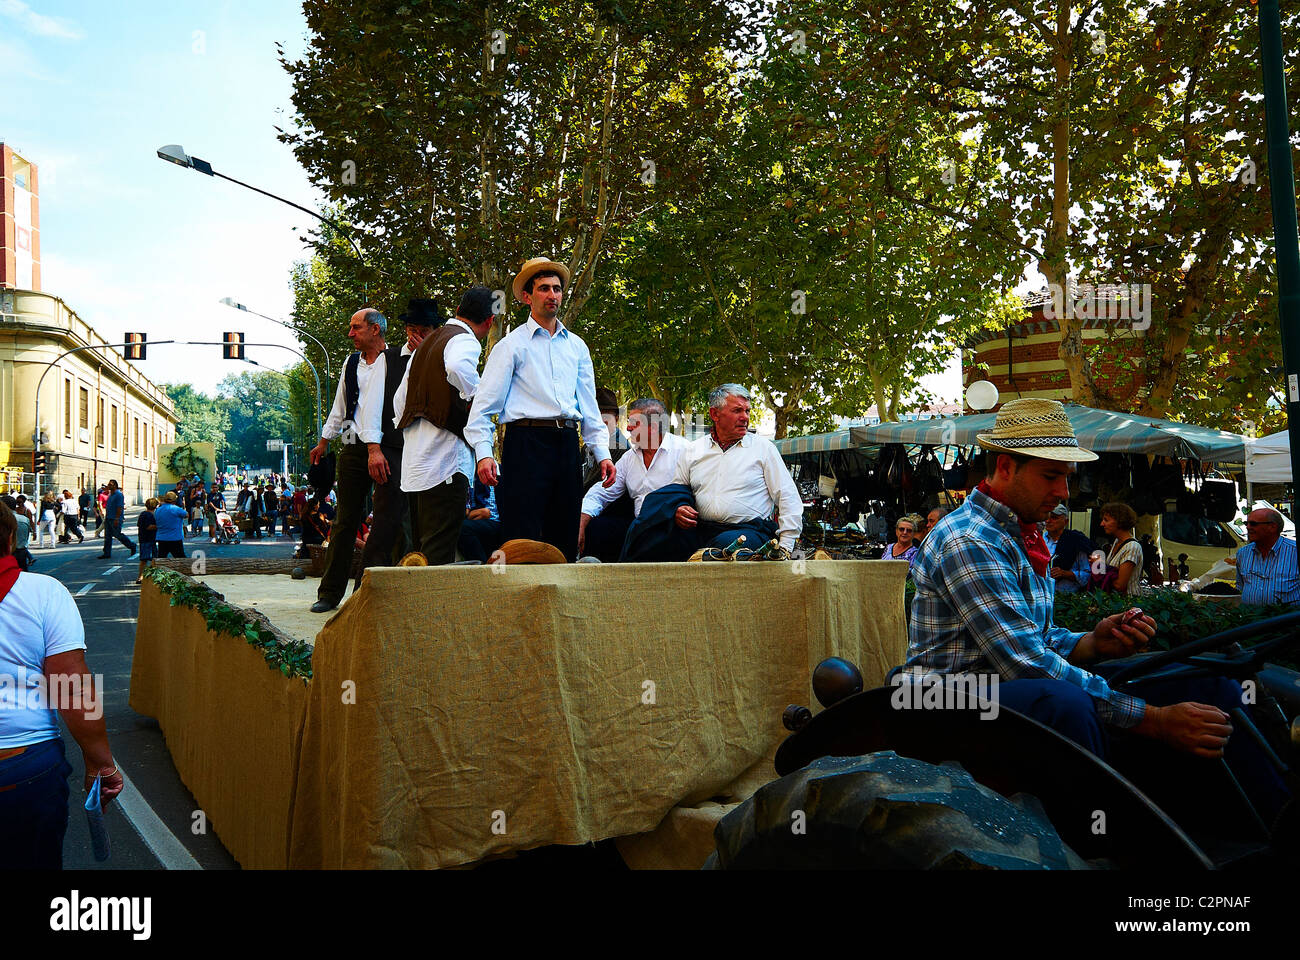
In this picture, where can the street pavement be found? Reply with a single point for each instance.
(152, 824)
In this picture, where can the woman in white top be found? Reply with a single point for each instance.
(42, 657)
(49, 516)
(1125, 556)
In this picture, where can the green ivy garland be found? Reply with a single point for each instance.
(185, 461)
(292, 658)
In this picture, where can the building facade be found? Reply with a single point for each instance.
(1024, 360)
(20, 222)
(100, 418)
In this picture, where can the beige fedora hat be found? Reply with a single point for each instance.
(1035, 428)
(533, 267)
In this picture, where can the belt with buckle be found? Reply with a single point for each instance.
(554, 424)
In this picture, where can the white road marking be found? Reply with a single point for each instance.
(162, 843)
(84, 590)
(112, 569)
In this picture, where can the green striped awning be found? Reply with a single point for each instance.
(1102, 431)
(816, 443)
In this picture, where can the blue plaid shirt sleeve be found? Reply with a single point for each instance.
(990, 602)
(972, 610)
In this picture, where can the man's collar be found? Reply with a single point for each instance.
(462, 324)
(999, 511)
(534, 326)
(742, 442)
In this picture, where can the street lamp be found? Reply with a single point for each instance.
(175, 153)
(231, 302)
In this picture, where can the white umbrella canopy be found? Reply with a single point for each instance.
(1268, 459)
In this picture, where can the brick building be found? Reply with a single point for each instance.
(1023, 360)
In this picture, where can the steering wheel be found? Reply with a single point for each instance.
(1287, 625)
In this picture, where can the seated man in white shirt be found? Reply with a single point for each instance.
(651, 463)
(738, 480)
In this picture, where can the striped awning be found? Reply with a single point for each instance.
(1102, 431)
(817, 443)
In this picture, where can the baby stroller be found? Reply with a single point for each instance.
(225, 531)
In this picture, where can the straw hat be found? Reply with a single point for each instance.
(1035, 428)
(534, 267)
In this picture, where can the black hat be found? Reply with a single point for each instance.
(421, 312)
(476, 306)
(320, 476)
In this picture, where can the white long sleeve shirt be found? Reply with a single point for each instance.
(747, 480)
(632, 476)
(370, 400)
(430, 454)
(531, 375)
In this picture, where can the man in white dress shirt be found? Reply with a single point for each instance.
(649, 465)
(738, 479)
(372, 448)
(431, 407)
(540, 383)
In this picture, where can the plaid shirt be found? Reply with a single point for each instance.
(981, 608)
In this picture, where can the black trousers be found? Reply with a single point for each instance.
(389, 506)
(605, 536)
(436, 518)
(478, 538)
(539, 496)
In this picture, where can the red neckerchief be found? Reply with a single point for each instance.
(8, 575)
(1035, 545)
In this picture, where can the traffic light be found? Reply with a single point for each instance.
(233, 346)
(135, 346)
(38, 461)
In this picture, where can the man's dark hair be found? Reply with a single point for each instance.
(8, 500)
(991, 460)
(8, 527)
(528, 286)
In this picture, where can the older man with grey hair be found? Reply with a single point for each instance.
(650, 464)
(738, 480)
(1266, 565)
(372, 452)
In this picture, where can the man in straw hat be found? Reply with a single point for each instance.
(540, 383)
(983, 605)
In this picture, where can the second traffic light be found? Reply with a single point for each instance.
(38, 461)
(233, 346)
(135, 346)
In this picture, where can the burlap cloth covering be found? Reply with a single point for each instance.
(502, 711)
(232, 725)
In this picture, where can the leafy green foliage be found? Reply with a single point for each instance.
(292, 659)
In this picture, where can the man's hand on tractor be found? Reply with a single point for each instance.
(1195, 728)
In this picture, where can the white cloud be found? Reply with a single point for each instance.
(38, 23)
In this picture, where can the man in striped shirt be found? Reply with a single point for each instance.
(1266, 566)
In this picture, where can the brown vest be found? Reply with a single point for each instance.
(428, 392)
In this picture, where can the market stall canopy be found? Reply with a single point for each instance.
(1268, 459)
(817, 443)
(1102, 431)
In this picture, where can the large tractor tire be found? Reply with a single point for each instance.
(885, 812)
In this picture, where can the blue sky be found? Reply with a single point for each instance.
(91, 90)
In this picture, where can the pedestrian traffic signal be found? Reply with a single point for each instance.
(135, 346)
(233, 348)
(38, 461)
